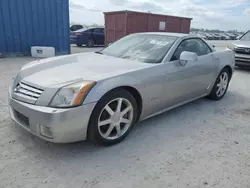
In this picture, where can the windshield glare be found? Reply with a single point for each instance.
(246, 37)
(149, 48)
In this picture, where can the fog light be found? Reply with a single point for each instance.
(45, 131)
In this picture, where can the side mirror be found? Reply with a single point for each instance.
(187, 56)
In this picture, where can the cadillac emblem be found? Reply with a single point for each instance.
(247, 50)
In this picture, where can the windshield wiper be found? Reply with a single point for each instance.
(98, 52)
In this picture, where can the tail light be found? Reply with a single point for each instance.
(75, 34)
(78, 34)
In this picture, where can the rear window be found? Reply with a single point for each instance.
(99, 30)
(82, 30)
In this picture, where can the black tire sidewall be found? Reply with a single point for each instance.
(93, 132)
(213, 95)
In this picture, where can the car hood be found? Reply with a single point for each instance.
(67, 69)
(244, 44)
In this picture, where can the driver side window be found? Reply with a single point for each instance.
(191, 45)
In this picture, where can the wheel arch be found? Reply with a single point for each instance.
(90, 37)
(133, 91)
(229, 69)
(136, 94)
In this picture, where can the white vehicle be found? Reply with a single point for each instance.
(241, 48)
(101, 96)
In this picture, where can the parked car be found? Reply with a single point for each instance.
(224, 36)
(231, 36)
(213, 36)
(209, 36)
(75, 27)
(102, 95)
(238, 35)
(217, 36)
(241, 48)
(88, 36)
(201, 35)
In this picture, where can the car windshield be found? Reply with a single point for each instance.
(149, 48)
(246, 36)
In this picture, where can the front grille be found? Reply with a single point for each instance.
(241, 59)
(28, 91)
(242, 50)
(22, 118)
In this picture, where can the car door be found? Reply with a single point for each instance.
(86, 35)
(99, 36)
(192, 80)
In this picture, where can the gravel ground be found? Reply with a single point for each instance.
(201, 144)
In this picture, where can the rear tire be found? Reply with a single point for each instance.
(113, 118)
(221, 85)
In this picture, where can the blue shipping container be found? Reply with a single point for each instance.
(26, 23)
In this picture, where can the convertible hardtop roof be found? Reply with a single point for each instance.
(168, 34)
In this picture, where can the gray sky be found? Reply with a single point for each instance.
(211, 14)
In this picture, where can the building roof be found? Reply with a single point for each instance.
(129, 11)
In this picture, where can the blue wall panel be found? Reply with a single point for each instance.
(26, 23)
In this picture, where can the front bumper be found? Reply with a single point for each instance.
(64, 125)
(241, 59)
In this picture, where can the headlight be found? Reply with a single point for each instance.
(72, 95)
(231, 47)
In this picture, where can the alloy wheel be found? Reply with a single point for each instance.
(115, 118)
(222, 84)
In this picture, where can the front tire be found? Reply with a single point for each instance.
(221, 85)
(91, 43)
(113, 118)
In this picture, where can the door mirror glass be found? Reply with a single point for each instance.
(187, 56)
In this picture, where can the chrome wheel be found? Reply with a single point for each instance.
(222, 84)
(115, 118)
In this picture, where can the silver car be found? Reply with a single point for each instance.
(101, 96)
(241, 48)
